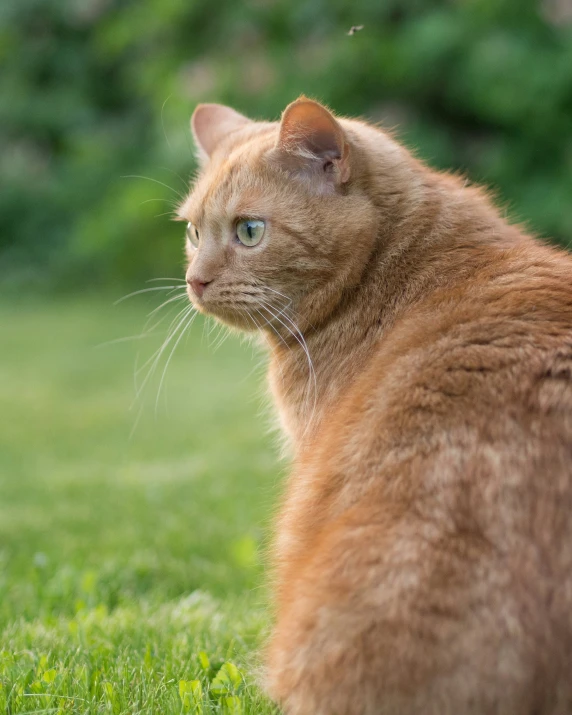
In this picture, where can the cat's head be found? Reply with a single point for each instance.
(279, 221)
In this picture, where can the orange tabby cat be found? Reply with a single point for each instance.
(421, 361)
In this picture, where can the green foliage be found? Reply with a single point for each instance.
(129, 577)
(92, 91)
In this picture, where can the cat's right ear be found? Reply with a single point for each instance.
(312, 145)
(210, 124)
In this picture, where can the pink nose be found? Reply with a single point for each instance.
(198, 286)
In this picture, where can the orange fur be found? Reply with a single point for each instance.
(423, 559)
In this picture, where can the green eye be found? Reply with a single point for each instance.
(192, 235)
(250, 231)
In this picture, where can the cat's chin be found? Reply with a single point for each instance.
(231, 317)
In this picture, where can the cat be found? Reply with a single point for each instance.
(421, 363)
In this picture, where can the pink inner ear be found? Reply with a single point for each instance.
(308, 126)
(309, 130)
(211, 123)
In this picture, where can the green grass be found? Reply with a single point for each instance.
(131, 566)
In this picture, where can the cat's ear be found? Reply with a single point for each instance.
(210, 124)
(312, 141)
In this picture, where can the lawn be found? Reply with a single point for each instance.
(131, 550)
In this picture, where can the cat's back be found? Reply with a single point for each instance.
(474, 379)
(444, 481)
(497, 342)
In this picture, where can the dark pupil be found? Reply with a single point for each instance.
(249, 229)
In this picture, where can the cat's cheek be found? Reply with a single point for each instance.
(190, 251)
(191, 298)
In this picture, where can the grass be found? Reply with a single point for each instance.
(131, 576)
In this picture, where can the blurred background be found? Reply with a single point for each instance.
(138, 476)
(93, 91)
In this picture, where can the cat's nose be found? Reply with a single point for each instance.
(198, 286)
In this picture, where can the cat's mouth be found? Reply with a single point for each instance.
(235, 313)
(248, 307)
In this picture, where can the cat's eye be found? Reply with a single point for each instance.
(250, 231)
(192, 234)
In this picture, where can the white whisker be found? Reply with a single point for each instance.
(146, 333)
(170, 300)
(157, 356)
(186, 311)
(178, 176)
(265, 321)
(155, 181)
(272, 290)
(171, 203)
(155, 280)
(145, 290)
(127, 339)
(169, 329)
(150, 315)
(185, 328)
(288, 304)
(299, 337)
(224, 332)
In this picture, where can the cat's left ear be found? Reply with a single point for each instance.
(312, 142)
(210, 124)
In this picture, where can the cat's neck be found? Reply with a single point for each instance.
(425, 230)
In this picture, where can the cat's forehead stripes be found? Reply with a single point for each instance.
(230, 183)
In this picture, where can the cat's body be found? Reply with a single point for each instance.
(423, 559)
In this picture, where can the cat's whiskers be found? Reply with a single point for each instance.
(169, 278)
(126, 339)
(170, 334)
(150, 330)
(158, 353)
(186, 327)
(265, 321)
(279, 309)
(312, 385)
(181, 296)
(156, 181)
(273, 290)
(178, 176)
(289, 304)
(223, 334)
(146, 290)
(251, 317)
(213, 325)
(171, 203)
(171, 326)
(248, 337)
(274, 330)
(146, 332)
